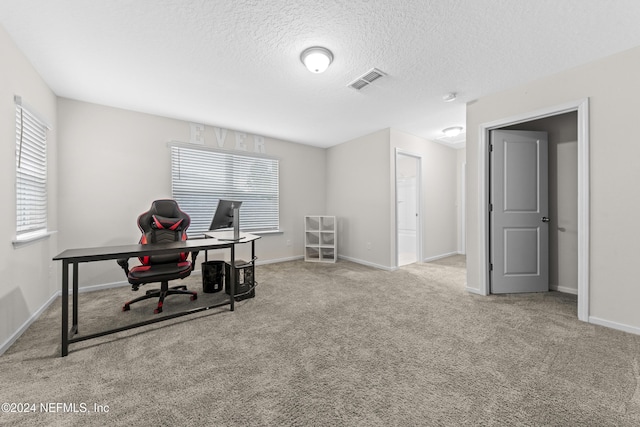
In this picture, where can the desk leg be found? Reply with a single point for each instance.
(65, 308)
(253, 257)
(232, 285)
(74, 325)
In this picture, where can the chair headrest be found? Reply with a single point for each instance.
(164, 214)
(167, 208)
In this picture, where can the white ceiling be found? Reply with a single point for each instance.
(235, 63)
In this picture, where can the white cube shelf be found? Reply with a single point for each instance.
(320, 240)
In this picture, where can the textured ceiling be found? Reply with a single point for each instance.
(235, 63)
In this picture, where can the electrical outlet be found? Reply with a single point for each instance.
(288, 242)
(368, 246)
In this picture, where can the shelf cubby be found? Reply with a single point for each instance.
(320, 238)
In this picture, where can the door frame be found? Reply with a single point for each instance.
(582, 108)
(418, 157)
(462, 241)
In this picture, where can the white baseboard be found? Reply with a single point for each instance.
(563, 289)
(437, 257)
(275, 261)
(383, 267)
(101, 287)
(614, 325)
(9, 342)
(474, 291)
(21, 330)
(367, 263)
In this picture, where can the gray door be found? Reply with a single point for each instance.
(519, 212)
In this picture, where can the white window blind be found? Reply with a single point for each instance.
(31, 172)
(199, 178)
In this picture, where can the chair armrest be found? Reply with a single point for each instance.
(194, 254)
(124, 263)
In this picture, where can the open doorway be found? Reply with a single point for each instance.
(408, 179)
(562, 133)
(578, 152)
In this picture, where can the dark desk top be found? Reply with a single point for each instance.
(131, 251)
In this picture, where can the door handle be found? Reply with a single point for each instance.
(545, 219)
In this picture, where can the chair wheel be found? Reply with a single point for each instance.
(194, 297)
(126, 307)
(157, 310)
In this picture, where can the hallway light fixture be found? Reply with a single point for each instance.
(451, 96)
(452, 131)
(316, 59)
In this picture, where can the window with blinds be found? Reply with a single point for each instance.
(200, 177)
(31, 173)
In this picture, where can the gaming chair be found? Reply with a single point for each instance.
(163, 222)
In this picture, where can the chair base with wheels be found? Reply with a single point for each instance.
(161, 294)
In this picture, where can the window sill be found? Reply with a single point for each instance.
(266, 232)
(25, 240)
(257, 233)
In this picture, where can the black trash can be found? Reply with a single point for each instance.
(212, 276)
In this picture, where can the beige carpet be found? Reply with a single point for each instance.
(331, 345)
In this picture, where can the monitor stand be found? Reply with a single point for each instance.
(236, 227)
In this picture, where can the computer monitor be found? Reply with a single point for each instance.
(223, 217)
(227, 215)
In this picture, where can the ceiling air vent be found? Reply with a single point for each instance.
(366, 79)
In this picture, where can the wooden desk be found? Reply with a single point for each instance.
(76, 256)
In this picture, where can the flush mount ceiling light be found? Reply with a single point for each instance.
(453, 131)
(316, 59)
(451, 96)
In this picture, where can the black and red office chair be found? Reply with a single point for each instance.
(164, 222)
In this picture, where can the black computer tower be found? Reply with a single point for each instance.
(245, 280)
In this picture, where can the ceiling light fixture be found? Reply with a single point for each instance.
(452, 131)
(451, 96)
(316, 59)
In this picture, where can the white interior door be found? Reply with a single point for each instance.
(407, 202)
(519, 212)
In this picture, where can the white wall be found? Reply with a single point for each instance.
(114, 163)
(28, 275)
(461, 162)
(361, 193)
(358, 189)
(439, 193)
(613, 88)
